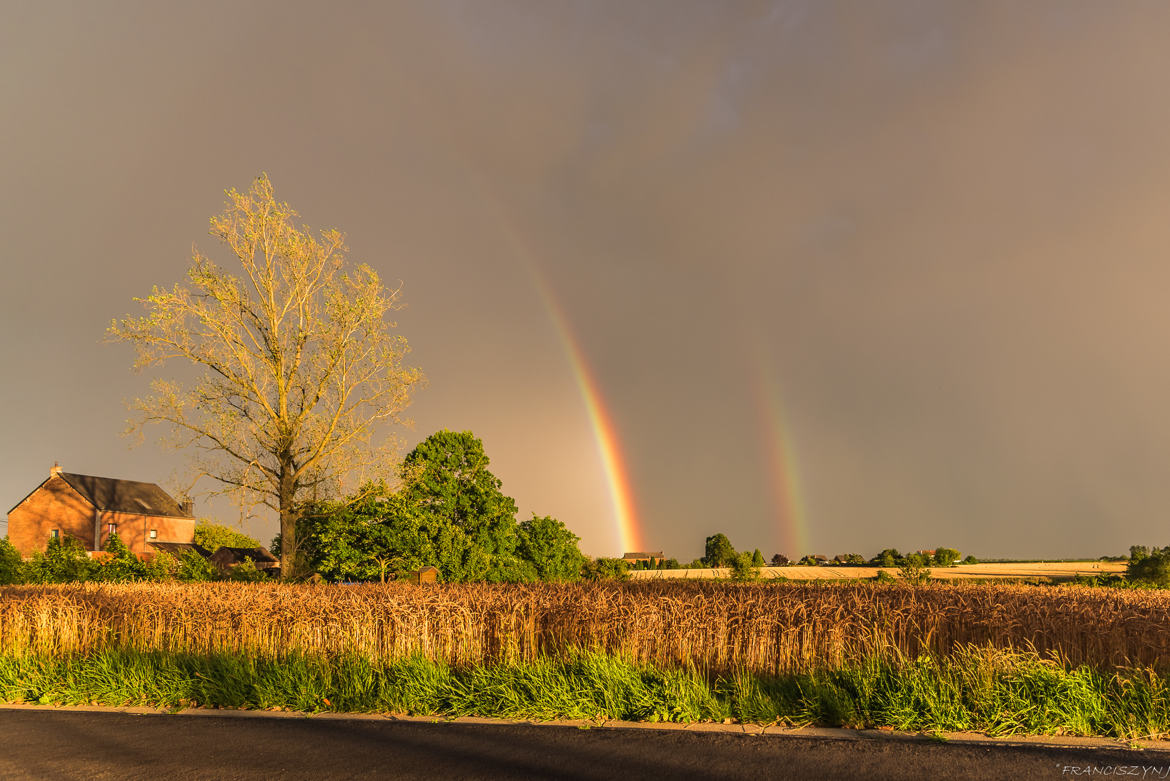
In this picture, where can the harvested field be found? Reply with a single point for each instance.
(714, 625)
(1060, 570)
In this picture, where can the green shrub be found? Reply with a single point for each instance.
(193, 568)
(1153, 569)
(64, 561)
(743, 569)
(163, 566)
(914, 571)
(605, 569)
(120, 565)
(11, 564)
(246, 572)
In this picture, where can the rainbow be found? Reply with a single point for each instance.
(783, 471)
(604, 431)
(629, 534)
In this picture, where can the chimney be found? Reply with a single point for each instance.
(187, 506)
(56, 470)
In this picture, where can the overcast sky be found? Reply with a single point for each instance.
(930, 238)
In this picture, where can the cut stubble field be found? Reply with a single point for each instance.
(1059, 570)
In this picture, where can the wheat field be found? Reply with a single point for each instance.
(714, 626)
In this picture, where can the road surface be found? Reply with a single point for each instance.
(63, 744)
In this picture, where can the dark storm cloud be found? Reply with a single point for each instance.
(939, 225)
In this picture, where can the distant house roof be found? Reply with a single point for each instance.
(428, 568)
(229, 557)
(125, 496)
(179, 548)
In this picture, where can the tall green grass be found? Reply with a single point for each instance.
(981, 689)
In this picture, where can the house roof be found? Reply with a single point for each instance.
(179, 548)
(125, 496)
(228, 555)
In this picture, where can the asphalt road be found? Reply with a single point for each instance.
(52, 744)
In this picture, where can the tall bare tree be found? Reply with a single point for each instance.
(297, 371)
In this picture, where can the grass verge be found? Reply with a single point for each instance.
(986, 690)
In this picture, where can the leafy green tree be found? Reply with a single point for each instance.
(970, 560)
(605, 569)
(887, 558)
(11, 564)
(459, 503)
(918, 559)
(851, 559)
(945, 557)
(1138, 552)
(779, 560)
(551, 549)
(1152, 569)
(718, 551)
(371, 536)
(214, 536)
(809, 560)
(757, 558)
(449, 513)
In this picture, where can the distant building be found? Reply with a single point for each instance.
(89, 509)
(227, 558)
(653, 558)
(427, 574)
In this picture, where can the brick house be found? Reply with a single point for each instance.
(89, 509)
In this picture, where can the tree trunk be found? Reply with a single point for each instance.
(288, 523)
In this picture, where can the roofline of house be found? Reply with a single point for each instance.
(84, 498)
(94, 505)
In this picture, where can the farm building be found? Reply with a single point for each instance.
(89, 509)
(652, 558)
(226, 558)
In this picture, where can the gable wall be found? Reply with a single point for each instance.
(55, 505)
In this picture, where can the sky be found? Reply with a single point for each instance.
(826, 277)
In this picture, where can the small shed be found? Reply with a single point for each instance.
(226, 558)
(427, 574)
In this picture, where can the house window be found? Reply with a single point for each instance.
(55, 534)
(112, 528)
(154, 534)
